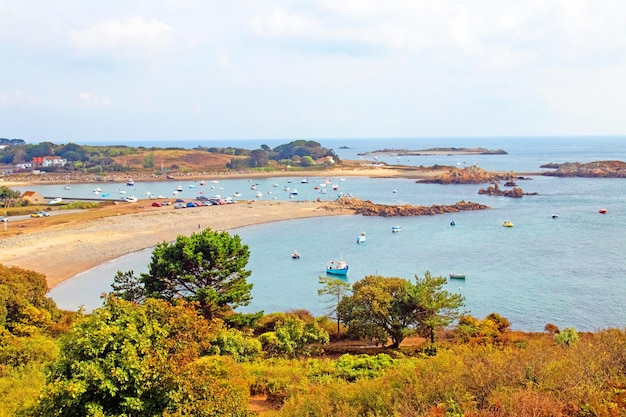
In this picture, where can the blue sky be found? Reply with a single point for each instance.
(86, 70)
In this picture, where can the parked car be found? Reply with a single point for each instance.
(178, 205)
(191, 204)
(40, 214)
(3, 219)
(156, 204)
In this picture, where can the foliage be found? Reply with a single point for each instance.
(333, 290)
(394, 308)
(24, 307)
(293, 337)
(238, 345)
(210, 387)
(490, 330)
(8, 196)
(541, 379)
(125, 359)
(566, 337)
(206, 267)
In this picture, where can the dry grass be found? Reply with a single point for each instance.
(186, 159)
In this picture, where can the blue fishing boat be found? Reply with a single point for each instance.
(396, 229)
(337, 268)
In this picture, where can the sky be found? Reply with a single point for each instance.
(142, 70)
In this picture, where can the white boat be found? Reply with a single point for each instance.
(396, 229)
(179, 188)
(295, 255)
(68, 186)
(122, 191)
(286, 188)
(304, 181)
(130, 183)
(253, 187)
(129, 199)
(361, 238)
(97, 190)
(236, 194)
(337, 268)
(456, 275)
(259, 194)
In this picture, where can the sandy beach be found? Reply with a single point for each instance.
(64, 250)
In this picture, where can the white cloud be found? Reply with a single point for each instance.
(17, 98)
(133, 37)
(94, 100)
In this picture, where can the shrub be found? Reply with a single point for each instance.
(567, 337)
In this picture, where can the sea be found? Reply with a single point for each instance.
(568, 269)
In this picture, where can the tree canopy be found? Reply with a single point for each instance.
(206, 267)
(382, 308)
(140, 360)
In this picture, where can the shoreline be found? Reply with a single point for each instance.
(62, 251)
(61, 247)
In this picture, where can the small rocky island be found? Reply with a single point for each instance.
(367, 208)
(495, 190)
(469, 175)
(597, 169)
(435, 151)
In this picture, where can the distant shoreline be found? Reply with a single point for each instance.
(435, 151)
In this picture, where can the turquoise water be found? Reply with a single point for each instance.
(568, 271)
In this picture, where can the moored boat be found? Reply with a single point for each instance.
(456, 275)
(295, 255)
(507, 224)
(396, 229)
(602, 211)
(361, 238)
(337, 268)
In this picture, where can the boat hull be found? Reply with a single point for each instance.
(457, 276)
(343, 271)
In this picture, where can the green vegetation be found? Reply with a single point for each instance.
(303, 153)
(206, 267)
(121, 158)
(393, 308)
(175, 347)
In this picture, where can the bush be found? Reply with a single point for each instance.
(237, 344)
(567, 337)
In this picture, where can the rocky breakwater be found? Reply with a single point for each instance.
(469, 175)
(367, 208)
(597, 169)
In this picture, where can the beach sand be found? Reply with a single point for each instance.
(64, 250)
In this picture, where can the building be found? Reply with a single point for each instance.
(48, 161)
(33, 197)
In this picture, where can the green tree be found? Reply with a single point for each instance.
(8, 195)
(206, 267)
(437, 307)
(382, 308)
(306, 161)
(333, 290)
(126, 359)
(24, 307)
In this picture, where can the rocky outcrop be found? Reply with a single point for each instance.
(469, 175)
(494, 189)
(598, 169)
(367, 208)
